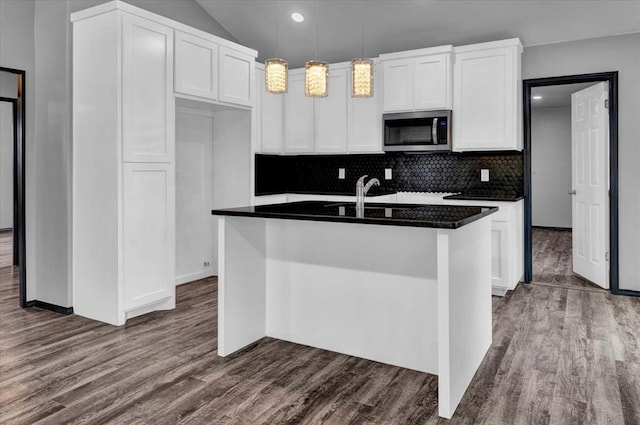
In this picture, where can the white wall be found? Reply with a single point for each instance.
(619, 53)
(36, 36)
(17, 50)
(551, 166)
(195, 244)
(6, 165)
(232, 159)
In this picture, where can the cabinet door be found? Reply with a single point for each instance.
(398, 85)
(500, 255)
(432, 82)
(270, 117)
(298, 130)
(196, 66)
(331, 115)
(148, 115)
(485, 107)
(237, 82)
(365, 120)
(148, 233)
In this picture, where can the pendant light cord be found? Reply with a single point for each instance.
(276, 6)
(317, 19)
(362, 23)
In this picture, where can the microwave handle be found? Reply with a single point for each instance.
(434, 131)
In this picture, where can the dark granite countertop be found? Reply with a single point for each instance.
(487, 196)
(437, 216)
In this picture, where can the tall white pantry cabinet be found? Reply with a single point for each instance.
(123, 167)
(123, 261)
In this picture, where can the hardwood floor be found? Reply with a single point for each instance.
(553, 259)
(559, 356)
(6, 248)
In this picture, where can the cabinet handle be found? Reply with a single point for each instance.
(572, 192)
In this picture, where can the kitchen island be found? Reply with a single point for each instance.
(403, 284)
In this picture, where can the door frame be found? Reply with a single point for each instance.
(19, 234)
(612, 79)
(14, 143)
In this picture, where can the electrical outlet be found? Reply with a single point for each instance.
(484, 175)
(207, 264)
(341, 173)
(387, 173)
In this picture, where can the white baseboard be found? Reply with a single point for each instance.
(181, 280)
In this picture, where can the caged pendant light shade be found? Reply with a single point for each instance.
(362, 77)
(316, 79)
(275, 75)
(316, 73)
(362, 70)
(276, 71)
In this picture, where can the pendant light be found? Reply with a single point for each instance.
(276, 70)
(316, 73)
(362, 70)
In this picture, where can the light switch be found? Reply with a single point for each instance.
(387, 173)
(341, 173)
(484, 175)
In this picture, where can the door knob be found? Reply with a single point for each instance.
(572, 192)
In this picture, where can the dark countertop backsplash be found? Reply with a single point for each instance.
(424, 172)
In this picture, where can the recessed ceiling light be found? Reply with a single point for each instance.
(297, 17)
(536, 97)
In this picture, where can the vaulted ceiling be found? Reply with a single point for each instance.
(403, 24)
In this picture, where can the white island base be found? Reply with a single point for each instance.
(414, 297)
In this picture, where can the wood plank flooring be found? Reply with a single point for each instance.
(553, 259)
(559, 356)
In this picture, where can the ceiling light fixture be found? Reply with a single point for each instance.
(276, 70)
(536, 97)
(297, 17)
(362, 69)
(316, 74)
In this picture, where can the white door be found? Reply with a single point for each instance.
(590, 183)
(195, 245)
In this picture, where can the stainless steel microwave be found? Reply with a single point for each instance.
(417, 131)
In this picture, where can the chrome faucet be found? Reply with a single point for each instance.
(362, 189)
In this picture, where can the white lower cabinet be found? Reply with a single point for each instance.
(148, 238)
(507, 244)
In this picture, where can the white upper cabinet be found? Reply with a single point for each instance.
(237, 77)
(432, 82)
(365, 119)
(147, 91)
(269, 122)
(196, 66)
(331, 114)
(398, 85)
(487, 106)
(298, 116)
(417, 79)
(214, 72)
